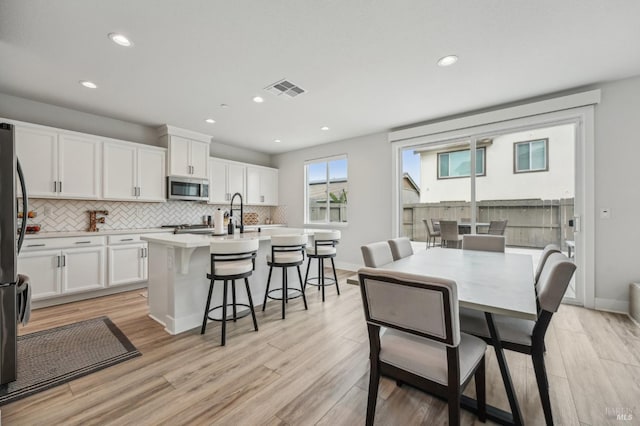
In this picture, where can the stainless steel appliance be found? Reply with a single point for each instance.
(10, 244)
(192, 229)
(179, 188)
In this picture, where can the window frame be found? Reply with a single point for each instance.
(327, 220)
(546, 156)
(484, 163)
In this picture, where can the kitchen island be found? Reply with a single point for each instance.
(178, 267)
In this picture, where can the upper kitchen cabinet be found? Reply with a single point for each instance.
(188, 152)
(59, 164)
(262, 186)
(133, 172)
(225, 179)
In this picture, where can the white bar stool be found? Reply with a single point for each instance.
(324, 247)
(231, 260)
(286, 251)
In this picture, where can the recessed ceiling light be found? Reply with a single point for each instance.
(120, 39)
(224, 106)
(445, 61)
(258, 99)
(89, 84)
(210, 120)
(324, 128)
(277, 140)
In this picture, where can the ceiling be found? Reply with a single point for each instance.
(367, 65)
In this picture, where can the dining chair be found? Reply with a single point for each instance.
(483, 242)
(435, 225)
(449, 234)
(422, 346)
(527, 336)
(431, 234)
(400, 247)
(376, 254)
(546, 252)
(497, 227)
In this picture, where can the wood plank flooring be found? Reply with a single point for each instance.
(312, 368)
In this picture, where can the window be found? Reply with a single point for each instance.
(456, 164)
(326, 190)
(531, 156)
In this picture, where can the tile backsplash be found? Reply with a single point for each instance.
(71, 215)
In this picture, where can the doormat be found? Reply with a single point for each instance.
(52, 357)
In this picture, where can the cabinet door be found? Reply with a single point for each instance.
(119, 171)
(43, 269)
(83, 269)
(38, 154)
(79, 162)
(253, 185)
(179, 164)
(218, 182)
(151, 175)
(269, 186)
(235, 179)
(199, 159)
(127, 264)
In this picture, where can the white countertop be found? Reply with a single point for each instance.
(101, 232)
(195, 240)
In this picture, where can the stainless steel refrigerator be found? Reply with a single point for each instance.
(10, 243)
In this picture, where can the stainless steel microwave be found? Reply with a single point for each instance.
(179, 188)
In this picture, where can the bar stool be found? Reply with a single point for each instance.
(324, 247)
(286, 251)
(231, 260)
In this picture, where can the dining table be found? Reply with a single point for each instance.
(490, 282)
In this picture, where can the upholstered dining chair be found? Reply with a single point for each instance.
(526, 336)
(546, 252)
(431, 233)
(449, 235)
(497, 227)
(483, 242)
(376, 254)
(422, 345)
(400, 247)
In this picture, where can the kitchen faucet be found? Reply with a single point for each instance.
(241, 211)
(93, 220)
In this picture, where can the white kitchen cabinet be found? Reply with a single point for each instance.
(188, 158)
(262, 186)
(133, 172)
(83, 269)
(128, 263)
(43, 269)
(57, 164)
(225, 179)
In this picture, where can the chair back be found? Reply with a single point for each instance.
(497, 227)
(230, 247)
(332, 236)
(546, 252)
(400, 247)
(554, 280)
(427, 227)
(288, 249)
(483, 242)
(415, 304)
(449, 230)
(376, 254)
(435, 226)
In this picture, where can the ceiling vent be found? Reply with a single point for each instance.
(285, 88)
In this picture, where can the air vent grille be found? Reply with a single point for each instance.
(285, 88)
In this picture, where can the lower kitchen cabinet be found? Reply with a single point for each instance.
(128, 263)
(43, 269)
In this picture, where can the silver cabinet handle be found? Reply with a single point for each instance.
(126, 239)
(64, 260)
(55, 186)
(60, 183)
(83, 242)
(36, 245)
(143, 252)
(146, 252)
(139, 192)
(58, 259)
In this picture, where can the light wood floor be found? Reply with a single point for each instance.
(312, 368)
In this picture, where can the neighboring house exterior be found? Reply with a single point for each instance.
(317, 199)
(410, 190)
(536, 164)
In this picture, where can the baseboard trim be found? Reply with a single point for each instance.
(612, 305)
(75, 297)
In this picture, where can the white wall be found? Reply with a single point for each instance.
(617, 176)
(500, 182)
(21, 109)
(369, 170)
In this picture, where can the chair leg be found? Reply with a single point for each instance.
(304, 298)
(233, 300)
(454, 405)
(319, 272)
(253, 311)
(374, 379)
(224, 315)
(321, 262)
(266, 293)
(285, 291)
(481, 391)
(206, 309)
(306, 275)
(543, 384)
(335, 276)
